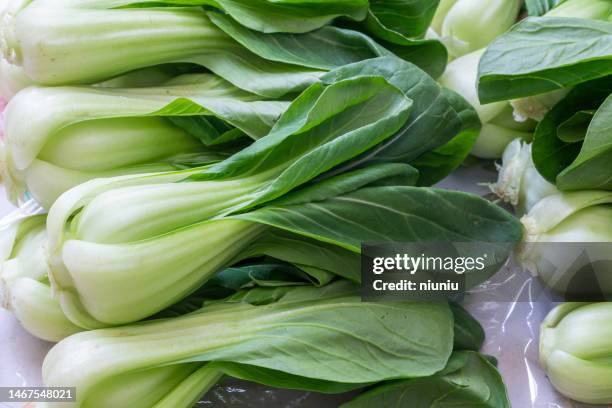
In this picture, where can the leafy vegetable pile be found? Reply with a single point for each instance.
(211, 169)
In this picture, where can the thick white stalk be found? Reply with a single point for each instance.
(122, 283)
(498, 128)
(55, 46)
(81, 133)
(38, 311)
(24, 286)
(576, 351)
(472, 24)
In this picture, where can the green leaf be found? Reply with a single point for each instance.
(542, 54)
(209, 130)
(390, 19)
(248, 71)
(469, 334)
(551, 155)
(574, 129)
(271, 16)
(320, 333)
(280, 379)
(433, 120)
(540, 7)
(395, 214)
(319, 262)
(469, 381)
(591, 169)
(230, 280)
(346, 328)
(386, 173)
(400, 26)
(435, 165)
(389, 214)
(428, 54)
(326, 48)
(326, 125)
(255, 118)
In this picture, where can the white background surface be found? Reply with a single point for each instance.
(512, 333)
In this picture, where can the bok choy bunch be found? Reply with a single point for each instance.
(50, 153)
(507, 104)
(89, 132)
(67, 42)
(242, 336)
(24, 281)
(126, 276)
(353, 117)
(576, 351)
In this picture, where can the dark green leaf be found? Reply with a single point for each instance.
(209, 130)
(230, 280)
(400, 27)
(469, 334)
(394, 173)
(433, 119)
(333, 342)
(542, 54)
(269, 16)
(326, 48)
(429, 55)
(394, 214)
(435, 165)
(319, 261)
(279, 379)
(328, 124)
(469, 381)
(574, 129)
(551, 155)
(389, 19)
(592, 169)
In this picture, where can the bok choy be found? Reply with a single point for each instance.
(575, 351)
(367, 122)
(182, 382)
(90, 132)
(58, 42)
(24, 281)
(126, 278)
(246, 329)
